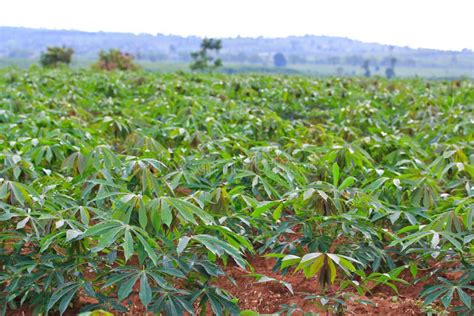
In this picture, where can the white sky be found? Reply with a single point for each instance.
(442, 24)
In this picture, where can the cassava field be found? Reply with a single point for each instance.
(210, 194)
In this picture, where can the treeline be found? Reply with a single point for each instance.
(205, 59)
(318, 50)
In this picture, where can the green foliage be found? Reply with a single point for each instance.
(205, 59)
(114, 59)
(123, 184)
(375, 279)
(323, 264)
(446, 290)
(55, 56)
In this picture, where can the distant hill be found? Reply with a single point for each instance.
(334, 53)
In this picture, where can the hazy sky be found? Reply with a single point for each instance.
(443, 24)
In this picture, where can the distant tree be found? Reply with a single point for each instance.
(366, 67)
(279, 60)
(204, 59)
(114, 59)
(390, 71)
(55, 56)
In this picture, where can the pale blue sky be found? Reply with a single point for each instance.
(443, 24)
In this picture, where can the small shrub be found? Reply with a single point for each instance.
(55, 56)
(114, 59)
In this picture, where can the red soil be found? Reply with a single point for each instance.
(268, 297)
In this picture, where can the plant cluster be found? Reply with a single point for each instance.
(114, 59)
(55, 56)
(121, 185)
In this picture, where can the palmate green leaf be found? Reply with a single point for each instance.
(413, 270)
(332, 271)
(108, 238)
(110, 232)
(409, 228)
(172, 304)
(335, 174)
(188, 211)
(142, 215)
(447, 298)
(263, 207)
(117, 278)
(468, 239)
(126, 287)
(312, 263)
(63, 295)
(219, 247)
(18, 192)
(236, 240)
(316, 265)
(277, 212)
(66, 300)
(73, 234)
(105, 195)
(49, 239)
(171, 272)
(127, 246)
(376, 184)
(452, 239)
(464, 297)
(183, 210)
(308, 193)
(289, 260)
(411, 239)
(308, 259)
(166, 215)
(102, 228)
(220, 302)
(148, 246)
(145, 290)
(277, 178)
(346, 183)
(182, 243)
(346, 264)
(21, 224)
(105, 183)
(432, 293)
(76, 161)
